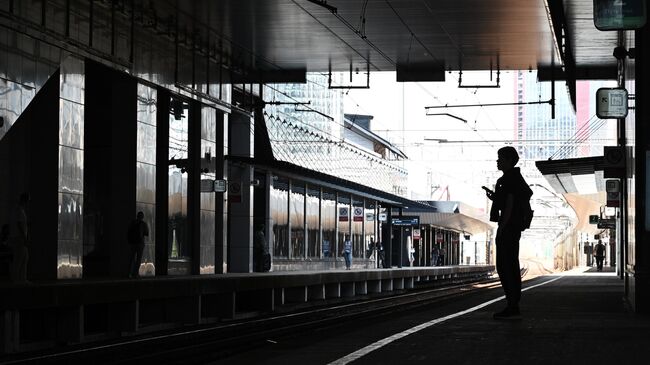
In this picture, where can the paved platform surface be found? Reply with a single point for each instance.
(574, 318)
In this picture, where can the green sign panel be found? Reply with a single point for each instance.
(619, 14)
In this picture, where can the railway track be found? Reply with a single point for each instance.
(209, 343)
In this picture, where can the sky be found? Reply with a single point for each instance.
(400, 116)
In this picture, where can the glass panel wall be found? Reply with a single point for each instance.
(145, 199)
(208, 198)
(313, 222)
(71, 172)
(328, 221)
(358, 249)
(369, 228)
(280, 216)
(297, 219)
(179, 246)
(344, 220)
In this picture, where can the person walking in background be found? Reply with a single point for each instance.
(507, 209)
(138, 230)
(599, 252)
(441, 257)
(19, 239)
(347, 252)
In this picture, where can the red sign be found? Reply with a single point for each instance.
(439, 237)
(358, 214)
(344, 214)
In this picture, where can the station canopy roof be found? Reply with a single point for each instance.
(581, 181)
(452, 215)
(421, 38)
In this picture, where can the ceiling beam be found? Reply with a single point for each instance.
(546, 73)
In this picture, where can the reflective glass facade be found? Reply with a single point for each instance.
(71, 174)
(177, 226)
(297, 219)
(146, 172)
(208, 199)
(357, 236)
(344, 220)
(280, 216)
(313, 215)
(325, 215)
(328, 221)
(369, 225)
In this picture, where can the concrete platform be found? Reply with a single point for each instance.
(580, 318)
(41, 314)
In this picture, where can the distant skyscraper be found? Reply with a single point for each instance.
(572, 133)
(533, 122)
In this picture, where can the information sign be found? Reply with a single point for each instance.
(619, 14)
(611, 103)
(406, 221)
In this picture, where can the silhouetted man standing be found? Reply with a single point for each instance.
(600, 255)
(507, 208)
(19, 230)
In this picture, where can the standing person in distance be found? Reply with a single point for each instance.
(260, 250)
(507, 209)
(138, 230)
(599, 251)
(19, 240)
(434, 255)
(347, 252)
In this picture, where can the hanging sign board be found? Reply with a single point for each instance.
(611, 103)
(213, 186)
(416, 234)
(370, 217)
(383, 217)
(358, 214)
(344, 214)
(220, 186)
(619, 14)
(406, 221)
(607, 223)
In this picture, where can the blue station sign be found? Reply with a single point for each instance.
(410, 220)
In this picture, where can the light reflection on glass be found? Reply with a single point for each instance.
(146, 172)
(178, 244)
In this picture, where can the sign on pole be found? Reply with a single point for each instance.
(611, 103)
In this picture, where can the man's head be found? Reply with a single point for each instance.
(347, 236)
(140, 216)
(260, 227)
(508, 158)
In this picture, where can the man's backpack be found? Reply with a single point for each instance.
(526, 214)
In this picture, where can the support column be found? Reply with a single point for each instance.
(241, 205)
(638, 262)
(221, 204)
